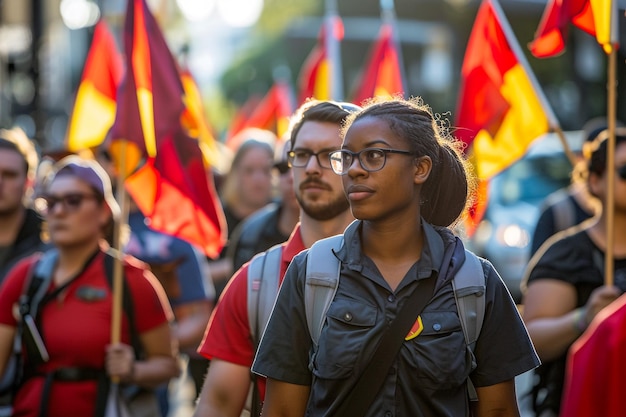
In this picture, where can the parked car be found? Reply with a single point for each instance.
(514, 202)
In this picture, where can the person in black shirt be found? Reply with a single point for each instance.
(20, 226)
(564, 285)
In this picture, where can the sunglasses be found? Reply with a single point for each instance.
(70, 202)
(621, 172)
(282, 167)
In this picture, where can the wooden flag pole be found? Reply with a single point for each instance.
(566, 148)
(521, 58)
(609, 208)
(118, 287)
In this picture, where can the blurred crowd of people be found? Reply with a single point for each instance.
(396, 182)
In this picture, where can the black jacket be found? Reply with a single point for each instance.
(27, 242)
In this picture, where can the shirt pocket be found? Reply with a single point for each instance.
(439, 353)
(349, 323)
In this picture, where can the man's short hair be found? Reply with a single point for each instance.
(16, 140)
(319, 111)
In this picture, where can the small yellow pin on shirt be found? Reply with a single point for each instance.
(417, 328)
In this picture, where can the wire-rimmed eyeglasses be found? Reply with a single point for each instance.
(371, 159)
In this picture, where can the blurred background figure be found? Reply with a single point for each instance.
(183, 271)
(184, 274)
(273, 223)
(569, 206)
(20, 225)
(246, 188)
(565, 279)
(80, 212)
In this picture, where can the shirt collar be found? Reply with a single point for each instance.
(430, 260)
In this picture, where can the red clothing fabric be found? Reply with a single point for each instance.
(595, 378)
(77, 330)
(227, 336)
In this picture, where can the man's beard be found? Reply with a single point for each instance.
(326, 211)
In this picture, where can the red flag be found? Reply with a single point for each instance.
(382, 77)
(272, 113)
(173, 187)
(176, 192)
(150, 100)
(314, 80)
(594, 377)
(596, 17)
(499, 113)
(94, 106)
(242, 115)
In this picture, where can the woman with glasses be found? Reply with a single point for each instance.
(66, 372)
(406, 183)
(564, 280)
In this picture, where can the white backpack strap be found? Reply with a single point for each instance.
(263, 283)
(322, 280)
(469, 293)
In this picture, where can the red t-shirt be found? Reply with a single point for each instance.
(76, 330)
(227, 336)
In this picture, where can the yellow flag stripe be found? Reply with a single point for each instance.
(85, 130)
(605, 22)
(522, 124)
(146, 113)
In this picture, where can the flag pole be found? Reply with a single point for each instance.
(333, 50)
(118, 287)
(388, 15)
(521, 58)
(610, 168)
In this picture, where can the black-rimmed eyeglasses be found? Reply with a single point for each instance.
(371, 159)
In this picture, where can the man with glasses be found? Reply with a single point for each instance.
(324, 211)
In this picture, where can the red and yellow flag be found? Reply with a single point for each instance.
(499, 113)
(150, 101)
(194, 121)
(171, 183)
(94, 106)
(271, 113)
(176, 192)
(382, 76)
(596, 17)
(315, 76)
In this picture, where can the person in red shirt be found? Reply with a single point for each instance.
(324, 211)
(74, 317)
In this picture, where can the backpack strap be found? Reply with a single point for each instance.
(263, 284)
(37, 286)
(40, 281)
(469, 293)
(322, 280)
